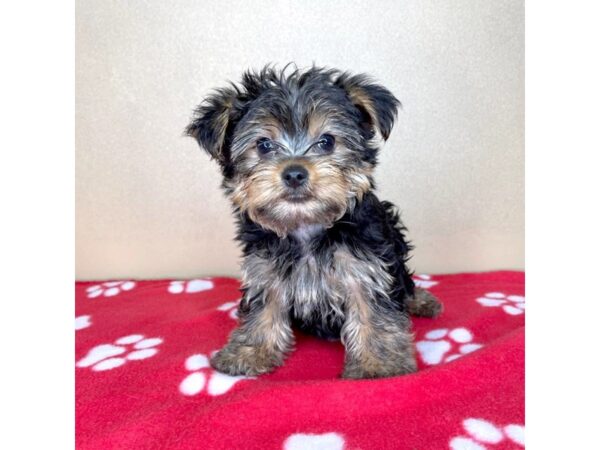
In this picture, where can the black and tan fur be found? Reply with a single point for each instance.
(326, 255)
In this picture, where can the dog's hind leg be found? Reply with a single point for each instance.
(424, 304)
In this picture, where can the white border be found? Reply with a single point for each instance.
(562, 209)
(37, 231)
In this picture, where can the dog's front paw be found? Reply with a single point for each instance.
(236, 359)
(369, 367)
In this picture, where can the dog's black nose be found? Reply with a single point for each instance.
(294, 176)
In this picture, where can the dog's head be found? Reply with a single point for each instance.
(295, 148)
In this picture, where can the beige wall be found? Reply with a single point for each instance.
(148, 201)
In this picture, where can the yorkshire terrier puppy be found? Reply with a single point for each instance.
(297, 151)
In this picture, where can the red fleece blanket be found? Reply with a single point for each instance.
(143, 380)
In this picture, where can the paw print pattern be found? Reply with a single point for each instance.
(190, 287)
(483, 432)
(109, 288)
(511, 304)
(231, 307)
(424, 281)
(325, 441)
(82, 322)
(443, 345)
(106, 356)
(218, 383)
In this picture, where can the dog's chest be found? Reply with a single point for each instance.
(316, 280)
(317, 293)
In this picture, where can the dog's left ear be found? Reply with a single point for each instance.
(214, 121)
(377, 105)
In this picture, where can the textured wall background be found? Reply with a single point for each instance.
(148, 200)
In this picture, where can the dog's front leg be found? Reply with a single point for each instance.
(263, 338)
(376, 336)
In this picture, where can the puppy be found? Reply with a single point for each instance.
(297, 151)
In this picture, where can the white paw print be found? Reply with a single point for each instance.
(446, 345)
(109, 288)
(232, 307)
(483, 432)
(511, 304)
(191, 286)
(82, 322)
(424, 281)
(104, 356)
(325, 441)
(218, 383)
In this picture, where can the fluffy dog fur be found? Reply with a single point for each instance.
(297, 149)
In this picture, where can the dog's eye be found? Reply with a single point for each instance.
(265, 146)
(326, 143)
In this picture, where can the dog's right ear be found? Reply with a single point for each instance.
(213, 123)
(377, 105)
